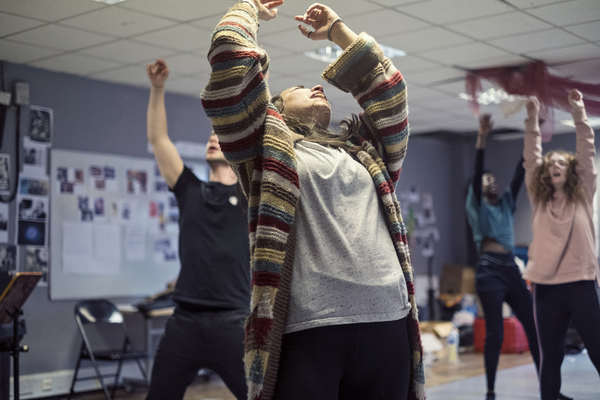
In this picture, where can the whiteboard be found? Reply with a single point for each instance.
(123, 210)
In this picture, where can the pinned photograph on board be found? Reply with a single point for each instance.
(4, 174)
(33, 186)
(165, 250)
(31, 220)
(110, 179)
(36, 260)
(8, 257)
(156, 216)
(3, 222)
(86, 212)
(137, 181)
(30, 232)
(99, 208)
(41, 124)
(34, 158)
(69, 180)
(32, 208)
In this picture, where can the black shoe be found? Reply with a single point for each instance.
(490, 396)
(563, 397)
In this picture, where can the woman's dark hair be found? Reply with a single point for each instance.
(323, 136)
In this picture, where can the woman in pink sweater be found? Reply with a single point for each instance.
(562, 262)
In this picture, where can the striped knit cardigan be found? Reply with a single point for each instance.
(260, 149)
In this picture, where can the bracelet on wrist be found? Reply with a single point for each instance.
(331, 27)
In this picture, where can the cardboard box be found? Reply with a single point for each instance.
(441, 329)
(457, 279)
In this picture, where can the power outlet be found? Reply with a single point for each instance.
(46, 384)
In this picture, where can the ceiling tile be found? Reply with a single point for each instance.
(48, 10)
(508, 24)
(181, 37)
(59, 38)
(524, 4)
(188, 86)
(571, 53)
(384, 22)
(297, 64)
(413, 63)
(417, 92)
(435, 75)
(117, 22)
(589, 31)
(344, 8)
(180, 10)
(128, 76)
(536, 41)
(22, 53)
(394, 3)
(443, 102)
(572, 12)
(188, 64)
(586, 71)
(460, 54)
(447, 11)
(281, 23)
(75, 64)
(415, 42)
(493, 62)
(292, 39)
(127, 52)
(10, 24)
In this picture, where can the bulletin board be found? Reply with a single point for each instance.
(113, 227)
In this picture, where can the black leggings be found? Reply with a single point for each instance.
(346, 362)
(554, 306)
(498, 279)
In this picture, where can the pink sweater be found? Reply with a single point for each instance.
(563, 246)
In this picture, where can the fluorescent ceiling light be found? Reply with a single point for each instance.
(593, 121)
(330, 53)
(110, 1)
(492, 95)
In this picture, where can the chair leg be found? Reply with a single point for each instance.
(99, 376)
(72, 390)
(114, 388)
(143, 371)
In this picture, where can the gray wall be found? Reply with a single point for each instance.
(111, 118)
(94, 116)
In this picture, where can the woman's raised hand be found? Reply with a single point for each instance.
(266, 8)
(485, 125)
(319, 17)
(576, 100)
(533, 108)
(158, 72)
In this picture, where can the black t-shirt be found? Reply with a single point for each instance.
(213, 245)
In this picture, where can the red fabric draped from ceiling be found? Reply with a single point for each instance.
(534, 80)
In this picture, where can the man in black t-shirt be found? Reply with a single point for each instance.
(213, 288)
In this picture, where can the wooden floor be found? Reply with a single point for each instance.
(439, 373)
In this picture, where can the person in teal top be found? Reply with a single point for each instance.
(497, 277)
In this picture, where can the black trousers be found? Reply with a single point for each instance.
(498, 279)
(199, 339)
(555, 305)
(346, 362)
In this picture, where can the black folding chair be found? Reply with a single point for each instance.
(103, 312)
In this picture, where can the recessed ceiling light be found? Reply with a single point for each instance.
(492, 95)
(330, 53)
(110, 1)
(593, 121)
